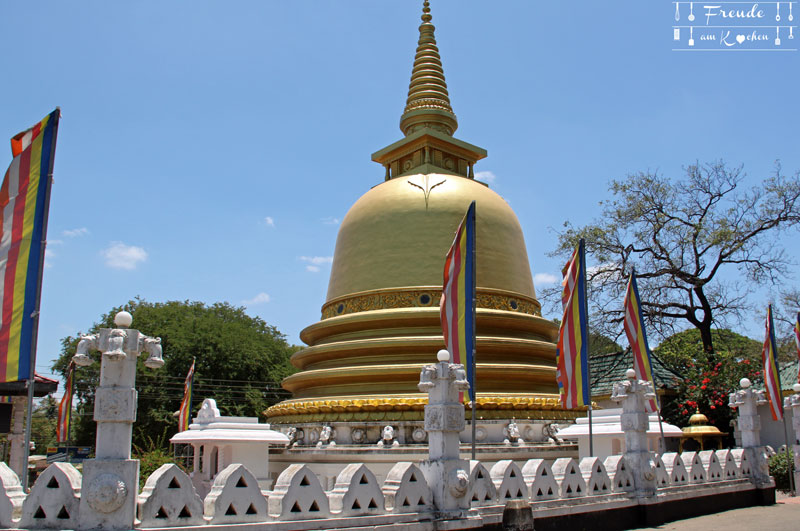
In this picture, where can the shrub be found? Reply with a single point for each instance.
(780, 466)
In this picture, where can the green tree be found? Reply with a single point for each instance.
(707, 380)
(43, 424)
(681, 235)
(240, 361)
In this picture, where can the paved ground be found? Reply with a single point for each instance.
(783, 516)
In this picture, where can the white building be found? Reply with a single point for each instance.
(219, 441)
(608, 436)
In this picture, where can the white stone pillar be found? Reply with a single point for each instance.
(111, 480)
(634, 394)
(746, 401)
(16, 454)
(793, 402)
(446, 473)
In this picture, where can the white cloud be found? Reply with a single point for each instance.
(121, 256)
(48, 257)
(314, 262)
(603, 272)
(55, 242)
(330, 221)
(544, 279)
(486, 176)
(74, 233)
(317, 260)
(261, 298)
(269, 221)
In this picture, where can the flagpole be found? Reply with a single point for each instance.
(588, 354)
(474, 329)
(69, 411)
(660, 425)
(789, 457)
(35, 315)
(191, 393)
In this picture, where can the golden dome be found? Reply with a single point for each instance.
(398, 233)
(698, 419)
(699, 426)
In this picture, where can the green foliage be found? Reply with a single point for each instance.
(151, 458)
(684, 347)
(781, 466)
(43, 424)
(240, 361)
(707, 380)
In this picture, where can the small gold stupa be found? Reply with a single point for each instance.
(701, 434)
(380, 322)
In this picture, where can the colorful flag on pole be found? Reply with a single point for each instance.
(797, 342)
(772, 378)
(65, 407)
(572, 353)
(185, 414)
(24, 200)
(457, 307)
(637, 338)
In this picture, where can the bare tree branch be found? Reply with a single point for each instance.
(679, 234)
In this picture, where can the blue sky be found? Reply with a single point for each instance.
(208, 150)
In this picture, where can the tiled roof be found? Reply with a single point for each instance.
(788, 372)
(607, 369)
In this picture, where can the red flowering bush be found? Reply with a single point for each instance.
(706, 379)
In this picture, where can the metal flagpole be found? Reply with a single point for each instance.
(789, 456)
(69, 405)
(35, 315)
(588, 354)
(661, 429)
(191, 391)
(474, 329)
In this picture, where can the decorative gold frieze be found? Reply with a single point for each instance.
(391, 299)
(374, 409)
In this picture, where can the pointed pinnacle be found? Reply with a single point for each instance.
(428, 103)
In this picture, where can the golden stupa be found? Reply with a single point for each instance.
(701, 432)
(380, 322)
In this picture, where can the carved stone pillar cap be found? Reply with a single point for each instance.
(745, 383)
(796, 388)
(631, 374)
(443, 355)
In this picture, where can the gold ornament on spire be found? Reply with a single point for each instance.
(428, 103)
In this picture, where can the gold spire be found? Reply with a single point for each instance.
(428, 103)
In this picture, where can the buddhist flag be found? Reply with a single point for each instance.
(24, 199)
(185, 414)
(772, 379)
(65, 407)
(572, 353)
(637, 337)
(797, 342)
(457, 308)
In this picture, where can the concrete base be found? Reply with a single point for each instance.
(652, 514)
(108, 494)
